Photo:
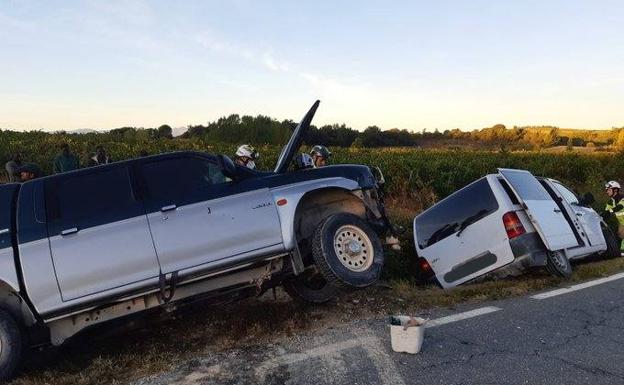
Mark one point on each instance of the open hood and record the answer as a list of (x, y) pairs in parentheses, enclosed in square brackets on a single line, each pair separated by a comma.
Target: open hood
[(291, 148)]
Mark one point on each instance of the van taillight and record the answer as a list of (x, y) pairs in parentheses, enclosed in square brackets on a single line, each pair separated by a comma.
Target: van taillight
[(424, 265), (513, 226)]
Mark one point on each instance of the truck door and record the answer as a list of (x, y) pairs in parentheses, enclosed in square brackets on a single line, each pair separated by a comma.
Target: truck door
[(197, 217), (99, 235), (588, 218), (8, 272), (542, 210), (463, 237)]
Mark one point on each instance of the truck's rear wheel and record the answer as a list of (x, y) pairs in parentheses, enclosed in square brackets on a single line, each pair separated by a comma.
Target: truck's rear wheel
[(613, 246), (310, 287), (557, 264), (347, 251), (11, 346)]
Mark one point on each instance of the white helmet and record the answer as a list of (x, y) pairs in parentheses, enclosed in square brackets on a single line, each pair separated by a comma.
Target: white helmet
[(612, 184), (248, 151)]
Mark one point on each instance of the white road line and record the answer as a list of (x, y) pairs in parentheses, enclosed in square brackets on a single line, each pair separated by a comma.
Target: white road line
[(462, 316), (581, 286), (371, 344), (288, 359), (386, 369)]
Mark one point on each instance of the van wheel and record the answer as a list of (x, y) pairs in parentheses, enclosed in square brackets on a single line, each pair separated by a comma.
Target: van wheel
[(558, 264), (11, 346), (347, 251), (613, 246), (311, 287)]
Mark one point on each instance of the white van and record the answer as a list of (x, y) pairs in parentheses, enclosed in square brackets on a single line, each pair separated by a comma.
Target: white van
[(510, 219)]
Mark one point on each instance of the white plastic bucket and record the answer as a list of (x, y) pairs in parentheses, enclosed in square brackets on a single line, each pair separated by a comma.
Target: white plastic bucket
[(407, 339)]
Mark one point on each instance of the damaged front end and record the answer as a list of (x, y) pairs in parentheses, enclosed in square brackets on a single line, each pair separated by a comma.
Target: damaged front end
[(373, 197)]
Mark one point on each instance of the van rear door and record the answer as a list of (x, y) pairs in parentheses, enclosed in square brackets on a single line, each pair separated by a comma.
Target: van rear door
[(542, 210), (463, 237)]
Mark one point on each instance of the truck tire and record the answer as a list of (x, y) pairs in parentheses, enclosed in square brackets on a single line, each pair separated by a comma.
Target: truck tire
[(613, 246), (347, 251), (11, 346), (312, 288), (557, 264)]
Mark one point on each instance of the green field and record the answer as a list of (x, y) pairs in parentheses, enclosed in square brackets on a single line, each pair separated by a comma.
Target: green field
[(430, 173)]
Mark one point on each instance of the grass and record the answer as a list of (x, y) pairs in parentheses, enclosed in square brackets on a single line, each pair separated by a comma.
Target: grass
[(160, 345)]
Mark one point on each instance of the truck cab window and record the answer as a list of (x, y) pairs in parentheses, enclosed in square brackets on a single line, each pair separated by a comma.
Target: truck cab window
[(180, 181), (87, 200)]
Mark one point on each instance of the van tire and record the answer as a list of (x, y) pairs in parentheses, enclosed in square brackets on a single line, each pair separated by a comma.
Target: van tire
[(613, 246), (12, 345), (347, 251), (311, 288), (557, 264)]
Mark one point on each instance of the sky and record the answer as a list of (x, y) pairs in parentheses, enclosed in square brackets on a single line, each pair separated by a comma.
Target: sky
[(400, 64)]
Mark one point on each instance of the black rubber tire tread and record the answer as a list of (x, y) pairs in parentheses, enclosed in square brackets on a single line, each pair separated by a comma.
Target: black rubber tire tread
[(613, 246), (298, 290), (327, 261), (12, 346), (554, 269)]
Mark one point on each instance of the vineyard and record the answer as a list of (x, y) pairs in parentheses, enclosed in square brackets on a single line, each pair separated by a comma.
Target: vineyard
[(423, 174)]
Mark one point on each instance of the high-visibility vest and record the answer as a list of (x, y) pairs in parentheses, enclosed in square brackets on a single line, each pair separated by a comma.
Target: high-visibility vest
[(619, 215)]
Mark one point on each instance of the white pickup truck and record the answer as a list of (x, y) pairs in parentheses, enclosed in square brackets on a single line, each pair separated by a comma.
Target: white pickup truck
[(92, 245)]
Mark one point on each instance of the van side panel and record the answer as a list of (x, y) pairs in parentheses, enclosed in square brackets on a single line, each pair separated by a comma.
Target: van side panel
[(34, 249)]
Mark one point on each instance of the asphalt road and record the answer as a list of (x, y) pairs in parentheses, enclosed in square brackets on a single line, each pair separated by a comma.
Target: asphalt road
[(573, 338)]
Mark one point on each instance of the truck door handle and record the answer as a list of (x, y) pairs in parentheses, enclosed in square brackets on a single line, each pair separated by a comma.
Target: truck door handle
[(557, 210), (73, 230), (579, 214), (168, 208)]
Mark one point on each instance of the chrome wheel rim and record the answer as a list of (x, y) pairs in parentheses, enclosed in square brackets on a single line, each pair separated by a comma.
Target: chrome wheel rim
[(353, 248)]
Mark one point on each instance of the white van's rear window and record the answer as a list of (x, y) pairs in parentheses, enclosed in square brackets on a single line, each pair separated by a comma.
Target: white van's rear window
[(458, 210), (526, 185)]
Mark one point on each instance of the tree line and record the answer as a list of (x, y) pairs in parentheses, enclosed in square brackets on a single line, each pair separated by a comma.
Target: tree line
[(266, 130), (261, 129)]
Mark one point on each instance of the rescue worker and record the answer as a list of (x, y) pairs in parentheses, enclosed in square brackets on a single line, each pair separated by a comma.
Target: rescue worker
[(100, 157), (12, 167), (29, 171), (303, 161), (615, 206), (246, 156), (65, 160), (320, 155)]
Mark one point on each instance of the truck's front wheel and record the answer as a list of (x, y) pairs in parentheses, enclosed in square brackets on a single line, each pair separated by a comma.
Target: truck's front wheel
[(11, 345), (347, 251)]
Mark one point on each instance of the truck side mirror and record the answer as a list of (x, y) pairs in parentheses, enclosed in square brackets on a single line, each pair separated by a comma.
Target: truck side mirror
[(227, 166)]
